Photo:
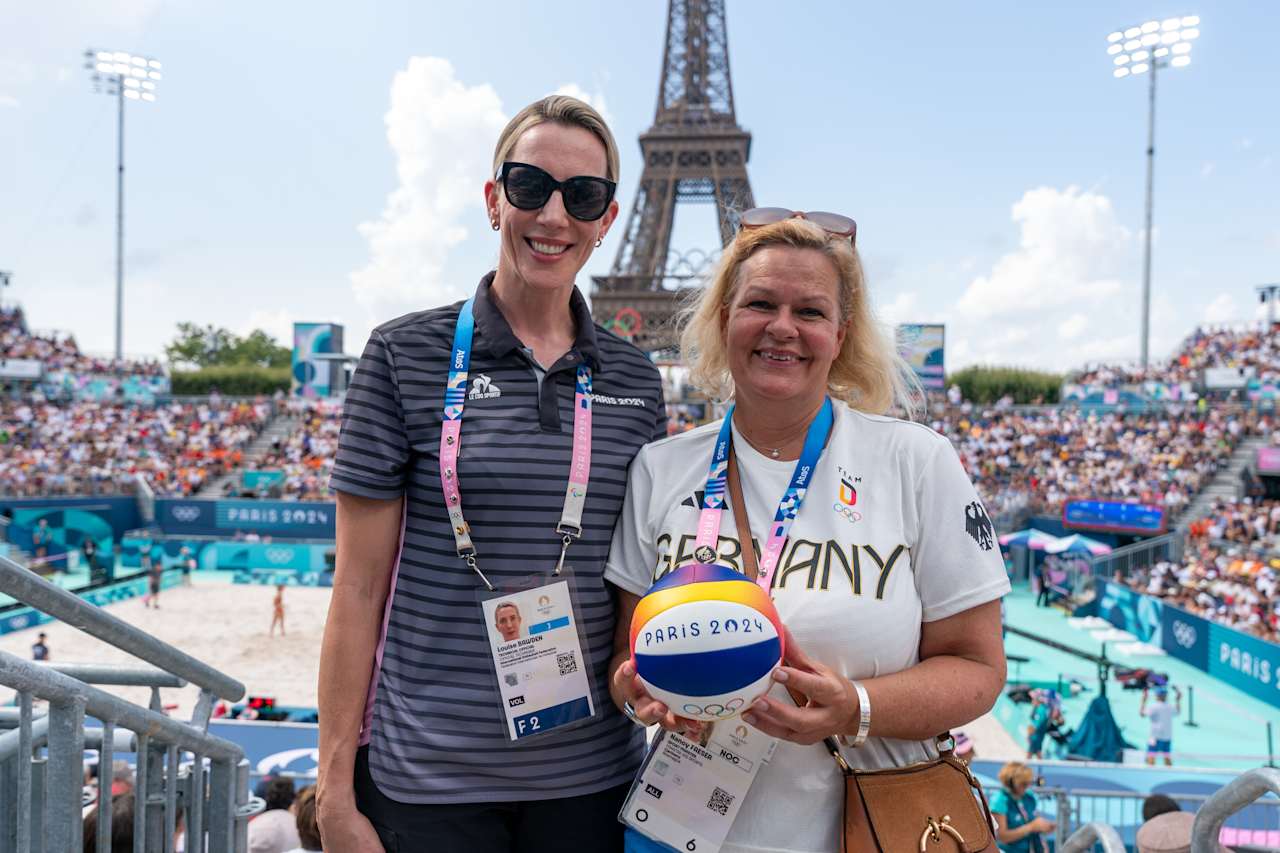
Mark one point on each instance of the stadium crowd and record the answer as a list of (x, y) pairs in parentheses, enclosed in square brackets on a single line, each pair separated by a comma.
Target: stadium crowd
[(1036, 460), (98, 448), (1232, 586), (305, 455), (59, 351), (1256, 348)]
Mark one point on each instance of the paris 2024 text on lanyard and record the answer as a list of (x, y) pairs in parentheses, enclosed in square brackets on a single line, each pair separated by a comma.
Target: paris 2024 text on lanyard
[(714, 773), (535, 646)]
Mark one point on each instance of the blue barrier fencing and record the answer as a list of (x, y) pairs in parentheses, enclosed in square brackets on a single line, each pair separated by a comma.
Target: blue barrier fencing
[(290, 563), (29, 617), (1243, 661), (118, 512)]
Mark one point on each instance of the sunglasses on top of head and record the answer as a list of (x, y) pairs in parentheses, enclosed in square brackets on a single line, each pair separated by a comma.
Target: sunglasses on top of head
[(586, 198), (833, 223)]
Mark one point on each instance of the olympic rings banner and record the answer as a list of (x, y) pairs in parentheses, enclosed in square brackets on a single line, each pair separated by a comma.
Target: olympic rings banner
[(1241, 660), (289, 519)]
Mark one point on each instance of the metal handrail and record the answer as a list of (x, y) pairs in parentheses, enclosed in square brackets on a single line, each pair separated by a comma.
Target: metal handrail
[(35, 591), (1083, 839), (118, 674), (1231, 798), (29, 677)]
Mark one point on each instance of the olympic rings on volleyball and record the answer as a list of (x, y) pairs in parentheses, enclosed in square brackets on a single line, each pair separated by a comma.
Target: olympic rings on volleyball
[(715, 709)]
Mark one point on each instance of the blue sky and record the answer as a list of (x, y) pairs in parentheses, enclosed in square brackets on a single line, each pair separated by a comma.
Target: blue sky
[(324, 163)]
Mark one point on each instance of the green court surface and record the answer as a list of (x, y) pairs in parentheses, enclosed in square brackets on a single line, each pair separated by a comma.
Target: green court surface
[(1230, 726)]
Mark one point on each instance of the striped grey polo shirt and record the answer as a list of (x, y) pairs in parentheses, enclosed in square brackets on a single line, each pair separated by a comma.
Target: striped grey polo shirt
[(436, 731)]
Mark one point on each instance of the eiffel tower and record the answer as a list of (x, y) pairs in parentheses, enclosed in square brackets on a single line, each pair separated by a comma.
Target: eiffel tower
[(695, 153)]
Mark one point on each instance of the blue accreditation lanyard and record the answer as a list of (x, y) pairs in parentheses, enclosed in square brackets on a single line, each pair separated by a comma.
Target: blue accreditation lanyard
[(788, 507)]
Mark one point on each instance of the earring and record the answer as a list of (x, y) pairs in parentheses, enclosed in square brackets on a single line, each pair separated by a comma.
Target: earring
[(599, 240), (494, 224)]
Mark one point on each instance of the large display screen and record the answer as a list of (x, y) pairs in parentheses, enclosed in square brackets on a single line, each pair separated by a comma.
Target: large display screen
[(1269, 460), (1115, 517), (923, 346)]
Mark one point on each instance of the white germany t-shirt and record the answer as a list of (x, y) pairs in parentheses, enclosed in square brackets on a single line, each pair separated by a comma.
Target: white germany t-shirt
[(891, 534)]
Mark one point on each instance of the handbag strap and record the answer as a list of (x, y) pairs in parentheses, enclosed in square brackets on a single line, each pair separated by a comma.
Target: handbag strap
[(751, 568), (750, 565)]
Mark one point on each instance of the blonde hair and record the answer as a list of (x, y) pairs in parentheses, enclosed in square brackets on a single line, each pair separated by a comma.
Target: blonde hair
[(867, 373), (560, 109), (1016, 773)]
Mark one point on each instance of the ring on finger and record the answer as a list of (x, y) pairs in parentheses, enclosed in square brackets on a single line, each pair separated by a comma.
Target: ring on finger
[(630, 711)]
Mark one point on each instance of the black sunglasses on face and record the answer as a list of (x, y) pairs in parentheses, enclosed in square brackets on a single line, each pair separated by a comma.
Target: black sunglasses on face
[(529, 188)]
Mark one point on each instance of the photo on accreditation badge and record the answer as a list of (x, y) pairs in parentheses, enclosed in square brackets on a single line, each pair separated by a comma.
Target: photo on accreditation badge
[(537, 657)]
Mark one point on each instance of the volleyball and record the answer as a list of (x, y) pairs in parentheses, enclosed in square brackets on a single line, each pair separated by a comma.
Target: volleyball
[(704, 640)]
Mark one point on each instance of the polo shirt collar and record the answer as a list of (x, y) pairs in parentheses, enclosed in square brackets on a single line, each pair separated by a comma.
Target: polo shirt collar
[(497, 338)]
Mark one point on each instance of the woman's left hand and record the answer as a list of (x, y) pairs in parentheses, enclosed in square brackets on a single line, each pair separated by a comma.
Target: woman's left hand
[(832, 707)]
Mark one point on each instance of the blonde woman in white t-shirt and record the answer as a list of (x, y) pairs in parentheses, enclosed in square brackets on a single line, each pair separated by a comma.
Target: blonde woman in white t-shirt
[(889, 577)]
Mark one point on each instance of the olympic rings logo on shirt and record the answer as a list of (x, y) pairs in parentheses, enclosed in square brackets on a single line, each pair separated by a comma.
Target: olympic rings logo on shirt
[(850, 514), (715, 709), (1184, 634)]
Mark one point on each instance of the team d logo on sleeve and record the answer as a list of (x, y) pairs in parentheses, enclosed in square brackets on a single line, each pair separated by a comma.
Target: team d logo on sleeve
[(978, 525)]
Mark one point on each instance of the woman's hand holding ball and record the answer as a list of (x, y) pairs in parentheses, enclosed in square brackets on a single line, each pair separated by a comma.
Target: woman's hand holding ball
[(831, 709), (626, 688)]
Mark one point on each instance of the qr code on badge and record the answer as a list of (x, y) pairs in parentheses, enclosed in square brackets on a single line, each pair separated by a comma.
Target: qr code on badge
[(720, 801), (568, 663)]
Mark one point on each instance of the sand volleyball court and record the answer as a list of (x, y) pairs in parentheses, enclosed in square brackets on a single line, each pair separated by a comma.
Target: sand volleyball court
[(222, 624)]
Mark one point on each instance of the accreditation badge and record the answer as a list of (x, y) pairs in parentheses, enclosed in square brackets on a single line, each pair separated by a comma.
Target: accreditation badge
[(688, 792), (538, 657)]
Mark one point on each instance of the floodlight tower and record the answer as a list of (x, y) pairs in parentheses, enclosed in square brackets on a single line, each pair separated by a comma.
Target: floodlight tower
[(1144, 49), (124, 75)]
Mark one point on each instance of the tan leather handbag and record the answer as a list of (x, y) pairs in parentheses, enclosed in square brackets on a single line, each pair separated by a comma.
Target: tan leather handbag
[(933, 807)]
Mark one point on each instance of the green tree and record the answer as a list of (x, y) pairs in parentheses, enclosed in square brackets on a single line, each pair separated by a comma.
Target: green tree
[(200, 346), (210, 346), (258, 348), (987, 384)]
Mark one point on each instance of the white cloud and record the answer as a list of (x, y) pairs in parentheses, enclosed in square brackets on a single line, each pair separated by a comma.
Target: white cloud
[(596, 100), (1070, 250), (1223, 309), (440, 130), (277, 324), (1072, 326), (1062, 297), (8, 101), (900, 310)]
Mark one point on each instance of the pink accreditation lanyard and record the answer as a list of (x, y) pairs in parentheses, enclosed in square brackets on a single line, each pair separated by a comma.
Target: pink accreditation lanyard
[(455, 397), (704, 549)]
